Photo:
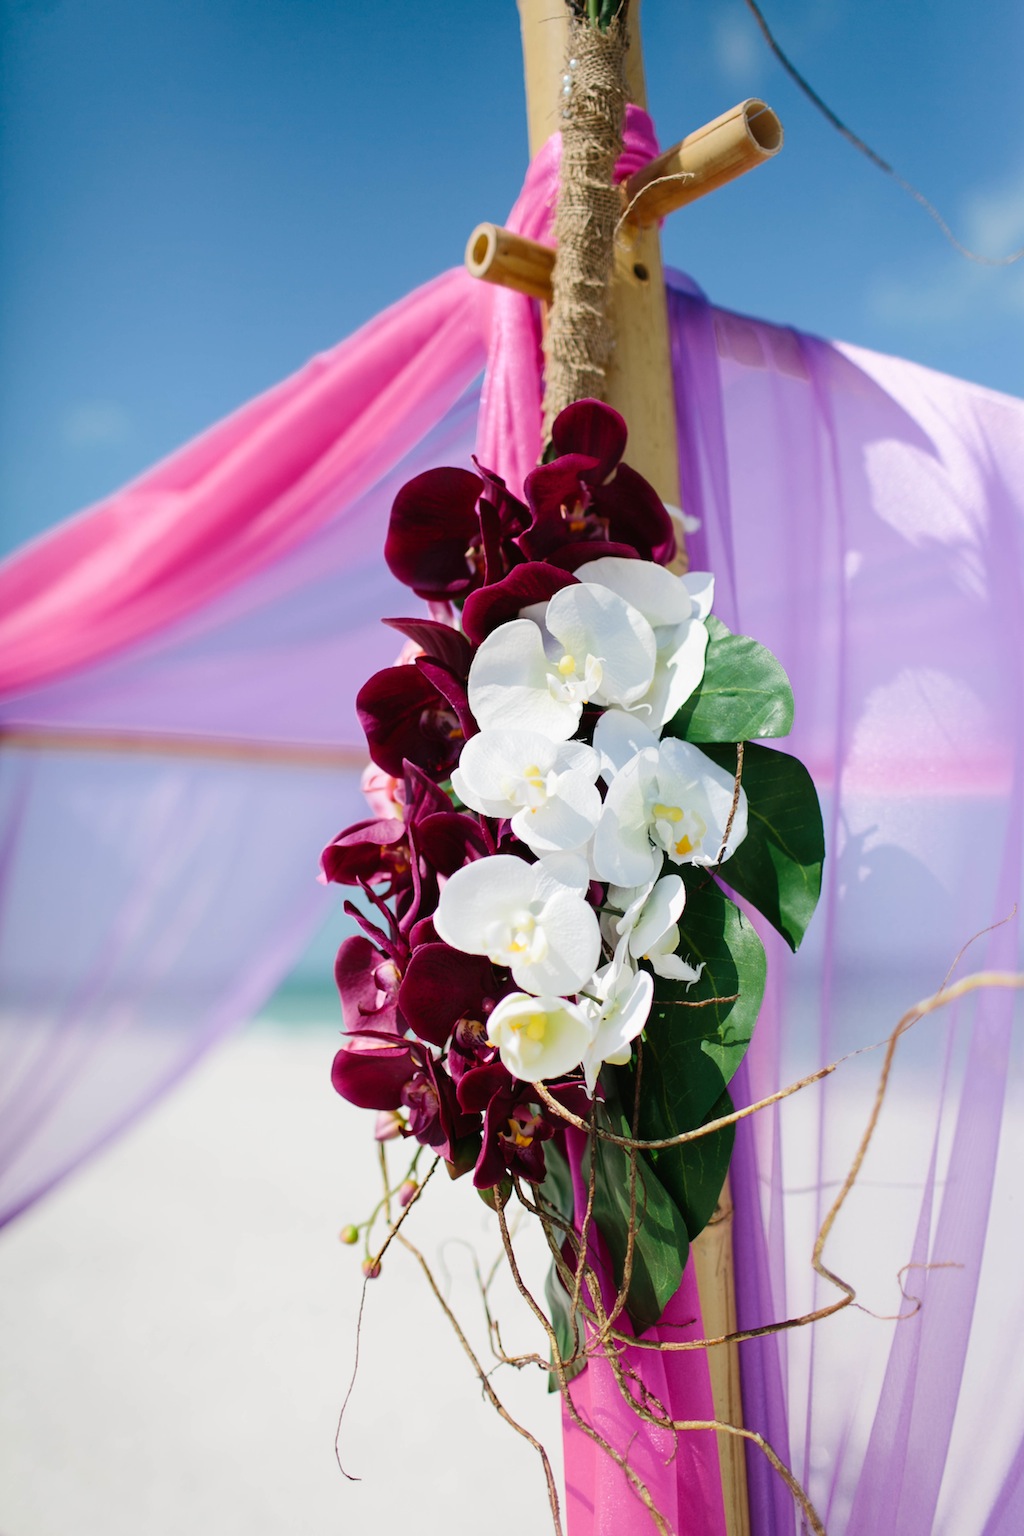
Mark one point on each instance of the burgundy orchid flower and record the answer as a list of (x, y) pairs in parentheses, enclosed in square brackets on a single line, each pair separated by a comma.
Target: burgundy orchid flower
[(406, 717), (443, 988), (586, 503), (368, 983), (512, 1133), (434, 543), (370, 852), (371, 1071)]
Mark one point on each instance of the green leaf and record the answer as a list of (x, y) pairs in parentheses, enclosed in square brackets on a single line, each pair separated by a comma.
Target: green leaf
[(694, 1173), (777, 867), (660, 1246), (557, 1191), (568, 1331), (744, 693), (691, 1053)]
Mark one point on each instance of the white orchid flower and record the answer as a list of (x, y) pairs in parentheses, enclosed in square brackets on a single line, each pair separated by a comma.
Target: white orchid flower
[(640, 916), (675, 607), (539, 1037), (512, 684), (532, 918), (617, 1006), (546, 788), (670, 800)]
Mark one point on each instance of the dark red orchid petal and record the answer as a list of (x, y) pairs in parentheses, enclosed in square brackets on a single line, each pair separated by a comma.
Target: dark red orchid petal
[(453, 690), (555, 490), (423, 932), (368, 982), (422, 796), (369, 851), (433, 525), (442, 985), (636, 515), (404, 716), (593, 428), (513, 516), (479, 1086), (439, 641), (449, 840), (487, 607), (372, 1073), (435, 1118), (569, 557)]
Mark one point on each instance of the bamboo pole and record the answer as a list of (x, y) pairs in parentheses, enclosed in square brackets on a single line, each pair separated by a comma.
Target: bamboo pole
[(640, 386)]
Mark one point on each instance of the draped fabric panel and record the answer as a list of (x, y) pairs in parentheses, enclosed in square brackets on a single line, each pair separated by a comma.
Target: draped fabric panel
[(180, 666)]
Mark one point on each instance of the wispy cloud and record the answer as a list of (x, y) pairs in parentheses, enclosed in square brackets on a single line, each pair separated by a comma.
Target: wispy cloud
[(736, 47), (96, 424), (948, 294)]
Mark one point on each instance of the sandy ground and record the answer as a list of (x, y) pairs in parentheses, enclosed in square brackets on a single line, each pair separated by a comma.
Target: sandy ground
[(177, 1326)]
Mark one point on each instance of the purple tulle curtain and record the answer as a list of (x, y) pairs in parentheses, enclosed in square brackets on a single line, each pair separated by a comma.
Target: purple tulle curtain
[(175, 753)]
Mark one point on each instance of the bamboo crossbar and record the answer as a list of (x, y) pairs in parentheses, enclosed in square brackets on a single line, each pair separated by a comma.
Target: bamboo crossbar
[(270, 754), (496, 255), (737, 142), (733, 144)]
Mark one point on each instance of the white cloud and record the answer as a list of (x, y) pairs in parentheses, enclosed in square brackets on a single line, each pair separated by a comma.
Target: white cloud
[(96, 424), (736, 47), (952, 289)]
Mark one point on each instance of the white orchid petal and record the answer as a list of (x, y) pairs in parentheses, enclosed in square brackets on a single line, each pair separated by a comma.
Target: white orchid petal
[(618, 737), (509, 685), (573, 939), (593, 622), (622, 847), (565, 822), (679, 672), (660, 913), (701, 587), (478, 896), (660, 596)]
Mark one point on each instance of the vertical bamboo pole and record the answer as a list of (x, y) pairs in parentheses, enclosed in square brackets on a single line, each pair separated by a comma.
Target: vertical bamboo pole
[(640, 386)]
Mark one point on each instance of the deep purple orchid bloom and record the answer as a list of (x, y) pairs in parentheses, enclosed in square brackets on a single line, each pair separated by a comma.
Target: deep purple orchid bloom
[(512, 1132), (371, 1071), (433, 542), (406, 717), (370, 852), (443, 987), (368, 984), (587, 497)]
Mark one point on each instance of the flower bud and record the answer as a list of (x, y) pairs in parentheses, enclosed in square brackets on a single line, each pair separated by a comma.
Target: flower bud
[(349, 1234), (408, 1192), (390, 1124), (371, 1268)]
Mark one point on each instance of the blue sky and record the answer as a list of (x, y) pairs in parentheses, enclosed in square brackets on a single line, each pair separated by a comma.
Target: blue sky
[(195, 195)]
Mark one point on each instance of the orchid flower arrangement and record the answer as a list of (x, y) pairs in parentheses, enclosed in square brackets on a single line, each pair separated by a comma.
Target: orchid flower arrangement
[(564, 778)]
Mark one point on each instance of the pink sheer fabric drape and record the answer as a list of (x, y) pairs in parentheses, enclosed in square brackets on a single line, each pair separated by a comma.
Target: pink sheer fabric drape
[(863, 517)]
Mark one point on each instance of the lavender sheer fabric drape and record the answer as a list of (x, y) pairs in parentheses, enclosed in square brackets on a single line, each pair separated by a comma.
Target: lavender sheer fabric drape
[(864, 518)]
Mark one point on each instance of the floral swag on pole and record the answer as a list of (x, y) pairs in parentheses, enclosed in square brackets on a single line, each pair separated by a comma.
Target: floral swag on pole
[(565, 783)]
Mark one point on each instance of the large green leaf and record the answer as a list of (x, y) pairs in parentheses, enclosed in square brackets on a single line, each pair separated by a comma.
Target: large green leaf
[(691, 1052), (557, 1191), (777, 867), (744, 693), (694, 1173), (660, 1246)]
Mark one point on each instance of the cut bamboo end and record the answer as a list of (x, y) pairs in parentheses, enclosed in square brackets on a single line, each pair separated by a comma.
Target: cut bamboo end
[(496, 255), (734, 143)]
